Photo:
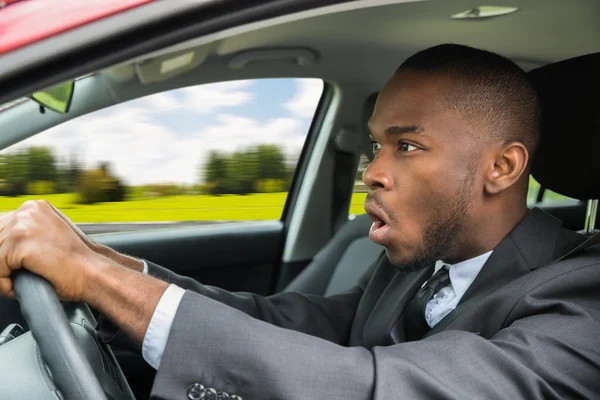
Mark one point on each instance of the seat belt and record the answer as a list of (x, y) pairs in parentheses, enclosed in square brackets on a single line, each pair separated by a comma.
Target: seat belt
[(589, 242)]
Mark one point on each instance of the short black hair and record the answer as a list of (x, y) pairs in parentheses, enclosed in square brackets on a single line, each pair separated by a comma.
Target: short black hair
[(491, 91)]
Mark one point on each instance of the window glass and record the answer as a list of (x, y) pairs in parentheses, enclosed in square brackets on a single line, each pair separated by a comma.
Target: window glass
[(548, 196), (357, 204), (209, 153)]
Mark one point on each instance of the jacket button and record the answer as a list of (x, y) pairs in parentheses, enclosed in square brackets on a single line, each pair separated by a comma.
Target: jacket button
[(235, 397), (196, 392), (223, 396)]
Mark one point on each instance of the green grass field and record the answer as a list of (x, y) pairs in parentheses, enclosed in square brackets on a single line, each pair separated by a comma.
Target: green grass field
[(176, 208), (184, 208)]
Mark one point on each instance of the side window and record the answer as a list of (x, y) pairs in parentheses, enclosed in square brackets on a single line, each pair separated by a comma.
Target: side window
[(360, 189), (210, 153), (539, 195)]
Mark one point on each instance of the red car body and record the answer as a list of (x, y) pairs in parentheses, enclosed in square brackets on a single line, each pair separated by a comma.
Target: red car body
[(23, 22)]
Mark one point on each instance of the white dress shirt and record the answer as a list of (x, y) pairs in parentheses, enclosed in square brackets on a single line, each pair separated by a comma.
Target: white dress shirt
[(461, 277), (159, 327)]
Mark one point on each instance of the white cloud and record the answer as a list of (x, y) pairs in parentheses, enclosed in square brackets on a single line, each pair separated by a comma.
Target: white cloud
[(141, 149), (203, 98), (208, 98), (306, 99)]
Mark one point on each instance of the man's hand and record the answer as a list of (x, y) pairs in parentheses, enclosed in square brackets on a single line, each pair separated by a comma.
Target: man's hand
[(35, 237), (39, 238), (122, 259)]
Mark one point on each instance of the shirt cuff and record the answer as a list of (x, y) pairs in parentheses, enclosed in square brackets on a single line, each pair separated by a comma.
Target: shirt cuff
[(145, 270), (155, 339)]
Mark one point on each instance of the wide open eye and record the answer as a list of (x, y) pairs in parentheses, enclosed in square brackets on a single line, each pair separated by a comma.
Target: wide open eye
[(376, 146), (406, 147)]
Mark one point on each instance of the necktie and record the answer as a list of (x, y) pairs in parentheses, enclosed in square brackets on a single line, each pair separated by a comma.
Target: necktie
[(415, 325)]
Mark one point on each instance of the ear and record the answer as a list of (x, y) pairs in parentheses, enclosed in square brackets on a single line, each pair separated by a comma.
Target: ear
[(509, 163)]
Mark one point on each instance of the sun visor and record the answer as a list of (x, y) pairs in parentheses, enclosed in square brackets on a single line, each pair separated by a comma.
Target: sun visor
[(166, 66)]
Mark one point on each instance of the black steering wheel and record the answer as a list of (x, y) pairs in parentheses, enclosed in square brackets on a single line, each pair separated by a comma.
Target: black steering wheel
[(71, 370)]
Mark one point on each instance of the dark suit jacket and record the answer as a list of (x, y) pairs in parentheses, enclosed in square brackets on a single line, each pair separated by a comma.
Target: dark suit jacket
[(527, 328)]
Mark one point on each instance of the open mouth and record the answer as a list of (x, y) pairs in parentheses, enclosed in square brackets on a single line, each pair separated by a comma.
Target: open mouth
[(377, 223), (379, 232)]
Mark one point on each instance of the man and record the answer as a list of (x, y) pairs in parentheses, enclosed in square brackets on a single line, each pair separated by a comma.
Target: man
[(453, 134)]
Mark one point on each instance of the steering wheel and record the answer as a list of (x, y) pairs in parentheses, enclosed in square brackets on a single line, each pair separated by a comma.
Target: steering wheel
[(71, 370)]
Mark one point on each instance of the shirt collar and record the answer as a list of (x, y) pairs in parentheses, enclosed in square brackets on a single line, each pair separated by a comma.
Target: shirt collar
[(463, 274)]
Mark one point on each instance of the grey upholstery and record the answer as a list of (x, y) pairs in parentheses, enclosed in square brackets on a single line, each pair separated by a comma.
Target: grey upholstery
[(337, 267)]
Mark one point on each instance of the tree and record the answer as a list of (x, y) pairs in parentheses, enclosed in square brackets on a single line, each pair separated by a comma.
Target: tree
[(67, 174), (13, 173), (99, 185), (215, 172), (242, 172), (255, 169), (271, 162), (19, 170), (74, 171), (41, 164)]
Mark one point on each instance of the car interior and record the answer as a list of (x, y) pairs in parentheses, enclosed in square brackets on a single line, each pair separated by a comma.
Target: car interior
[(317, 247)]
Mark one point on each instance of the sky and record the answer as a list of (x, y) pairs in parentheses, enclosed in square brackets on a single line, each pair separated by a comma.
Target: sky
[(165, 137)]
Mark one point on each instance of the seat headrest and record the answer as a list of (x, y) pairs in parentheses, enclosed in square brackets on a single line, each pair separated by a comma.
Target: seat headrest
[(567, 159)]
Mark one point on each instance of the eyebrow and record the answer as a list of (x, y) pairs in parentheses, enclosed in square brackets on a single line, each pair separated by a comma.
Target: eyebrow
[(400, 130)]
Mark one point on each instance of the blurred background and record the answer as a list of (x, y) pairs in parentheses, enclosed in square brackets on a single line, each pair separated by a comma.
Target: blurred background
[(206, 154)]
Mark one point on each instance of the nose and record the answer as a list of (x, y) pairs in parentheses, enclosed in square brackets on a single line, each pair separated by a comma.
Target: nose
[(377, 176)]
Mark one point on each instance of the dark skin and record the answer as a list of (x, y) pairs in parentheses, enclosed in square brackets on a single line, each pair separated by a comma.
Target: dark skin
[(421, 175), (438, 183)]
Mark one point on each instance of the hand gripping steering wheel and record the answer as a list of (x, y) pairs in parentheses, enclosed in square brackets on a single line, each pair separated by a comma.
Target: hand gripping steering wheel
[(71, 370)]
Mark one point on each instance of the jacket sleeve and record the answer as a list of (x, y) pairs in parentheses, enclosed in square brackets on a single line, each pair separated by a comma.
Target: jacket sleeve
[(329, 318), (548, 350)]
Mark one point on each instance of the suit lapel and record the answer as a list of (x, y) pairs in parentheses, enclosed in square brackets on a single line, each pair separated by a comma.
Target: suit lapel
[(390, 307), (504, 265), (528, 246)]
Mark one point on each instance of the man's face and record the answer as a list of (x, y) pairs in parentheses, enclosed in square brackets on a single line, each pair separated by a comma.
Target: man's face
[(422, 180)]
